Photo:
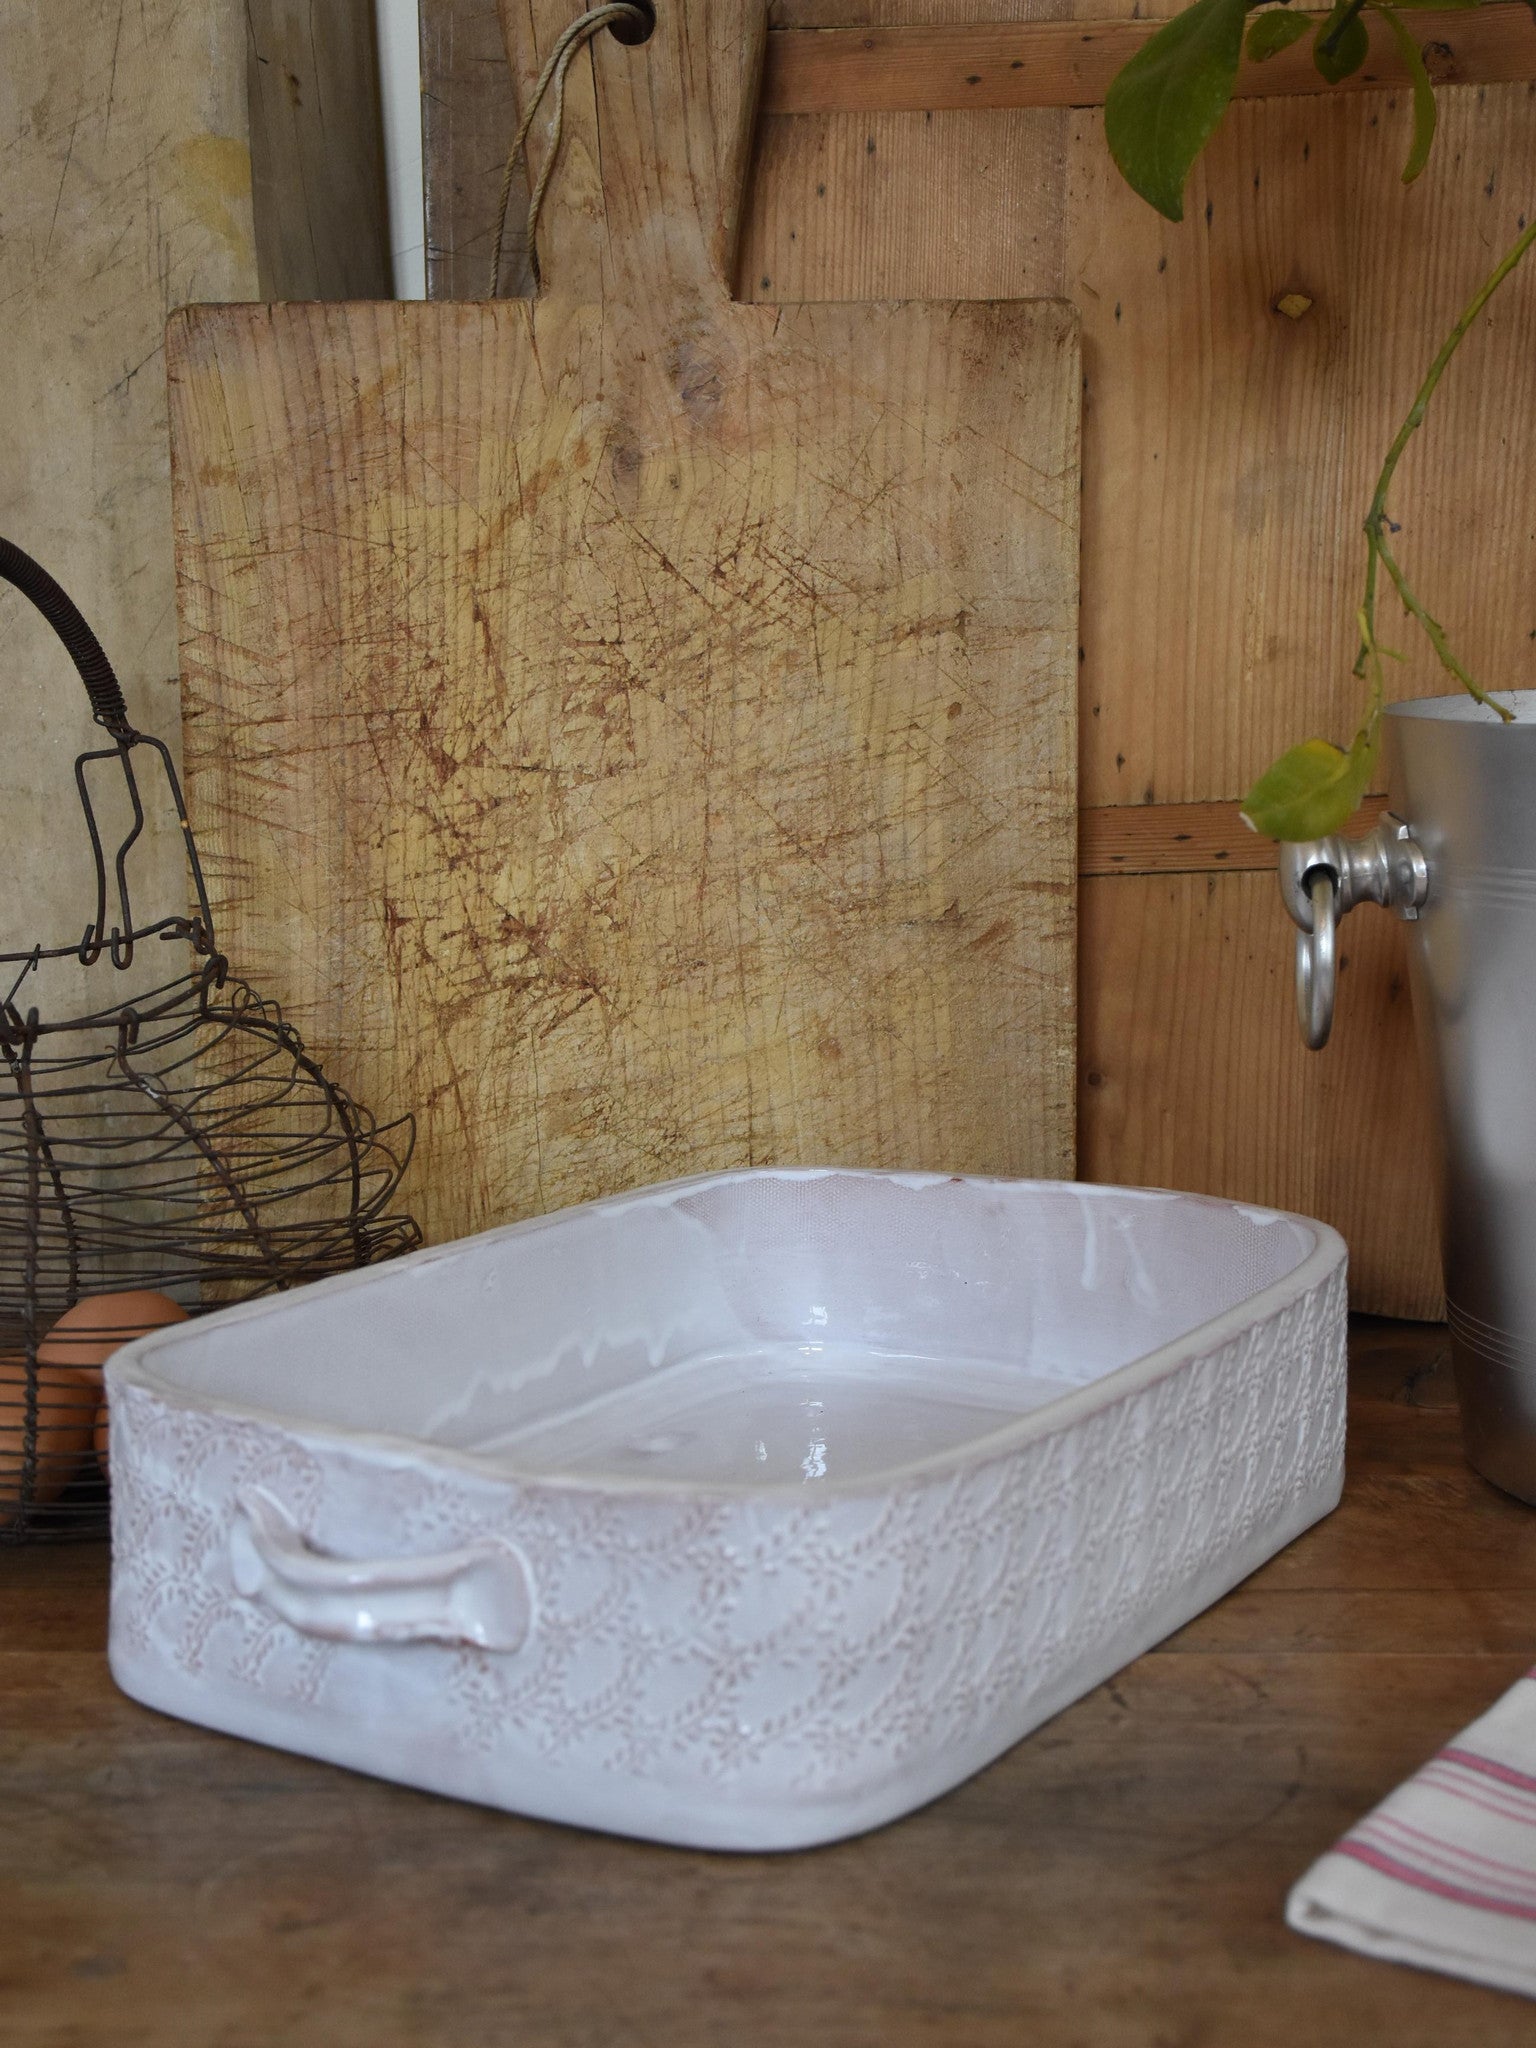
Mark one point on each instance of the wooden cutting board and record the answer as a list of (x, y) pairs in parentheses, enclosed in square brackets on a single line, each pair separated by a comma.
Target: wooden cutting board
[(631, 729)]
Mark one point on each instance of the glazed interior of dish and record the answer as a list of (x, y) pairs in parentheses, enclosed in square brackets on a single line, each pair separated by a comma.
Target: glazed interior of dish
[(754, 1329)]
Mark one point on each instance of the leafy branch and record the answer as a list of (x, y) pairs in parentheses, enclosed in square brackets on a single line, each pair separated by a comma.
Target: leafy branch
[(1313, 788), (1160, 112), (1164, 106)]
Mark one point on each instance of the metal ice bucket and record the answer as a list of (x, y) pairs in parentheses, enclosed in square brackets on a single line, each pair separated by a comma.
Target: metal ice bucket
[(1456, 855)]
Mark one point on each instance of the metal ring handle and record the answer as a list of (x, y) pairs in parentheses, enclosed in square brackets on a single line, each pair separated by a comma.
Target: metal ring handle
[(1321, 880), (1317, 959)]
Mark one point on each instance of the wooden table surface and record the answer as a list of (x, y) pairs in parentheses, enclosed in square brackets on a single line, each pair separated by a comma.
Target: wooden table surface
[(1117, 1879)]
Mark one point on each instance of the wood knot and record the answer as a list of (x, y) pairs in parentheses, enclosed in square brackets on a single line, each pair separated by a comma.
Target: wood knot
[(699, 383)]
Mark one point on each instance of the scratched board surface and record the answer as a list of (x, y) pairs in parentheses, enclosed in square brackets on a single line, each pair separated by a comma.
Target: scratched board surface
[(635, 731)]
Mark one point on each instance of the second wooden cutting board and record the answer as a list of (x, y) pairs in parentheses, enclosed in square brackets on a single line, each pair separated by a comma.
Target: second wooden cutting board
[(634, 730)]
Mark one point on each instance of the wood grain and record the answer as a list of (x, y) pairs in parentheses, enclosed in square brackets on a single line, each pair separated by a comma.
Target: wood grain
[(1115, 1880), (1228, 446), (637, 731), (884, 206), (1184, 839), (468, 120), (1193, 1074), (1229, 449), (802, 14), (317, 150), (992, 64)]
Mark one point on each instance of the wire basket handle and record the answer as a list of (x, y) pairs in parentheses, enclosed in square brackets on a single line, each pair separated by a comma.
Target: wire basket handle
[(108, 706)]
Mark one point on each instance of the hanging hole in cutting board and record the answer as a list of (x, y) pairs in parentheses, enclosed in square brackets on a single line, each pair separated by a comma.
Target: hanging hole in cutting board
[(633, 32), (633, 21)]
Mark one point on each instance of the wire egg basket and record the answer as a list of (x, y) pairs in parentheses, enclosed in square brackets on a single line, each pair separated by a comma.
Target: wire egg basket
[(177, 1145)]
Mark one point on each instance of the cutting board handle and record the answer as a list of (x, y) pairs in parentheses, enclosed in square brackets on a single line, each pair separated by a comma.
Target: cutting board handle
[(645, 201)]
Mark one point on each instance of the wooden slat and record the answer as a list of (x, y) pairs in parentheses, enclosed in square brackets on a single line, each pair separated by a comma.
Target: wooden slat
[(992, 64), (467, 122), (1182, 839), (957, 14), (1168, 839), (865, 14), (317, 150), (891, 206)]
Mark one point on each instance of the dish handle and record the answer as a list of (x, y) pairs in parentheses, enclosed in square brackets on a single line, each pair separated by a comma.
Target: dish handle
[(481, 1595)]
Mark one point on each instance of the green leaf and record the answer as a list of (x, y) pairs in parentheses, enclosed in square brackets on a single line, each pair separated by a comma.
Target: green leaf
[(1343, 44), (1312, 790), (1163, 107), (1424, 110), (1275, 30)]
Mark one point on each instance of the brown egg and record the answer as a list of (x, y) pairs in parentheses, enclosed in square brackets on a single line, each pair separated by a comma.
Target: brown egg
[(66, 1414), (85, 1337)]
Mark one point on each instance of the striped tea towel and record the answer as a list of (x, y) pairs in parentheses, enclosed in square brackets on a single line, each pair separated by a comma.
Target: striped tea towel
[(1443, 1873)]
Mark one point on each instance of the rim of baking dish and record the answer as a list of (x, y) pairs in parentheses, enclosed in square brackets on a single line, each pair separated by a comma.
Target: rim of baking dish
[(133, 1364)]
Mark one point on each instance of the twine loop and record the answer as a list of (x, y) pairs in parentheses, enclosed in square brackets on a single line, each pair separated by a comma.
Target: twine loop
[(571, 39)]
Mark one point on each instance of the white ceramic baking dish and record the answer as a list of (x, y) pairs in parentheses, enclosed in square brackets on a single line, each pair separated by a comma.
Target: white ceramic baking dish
[(746, 1512)]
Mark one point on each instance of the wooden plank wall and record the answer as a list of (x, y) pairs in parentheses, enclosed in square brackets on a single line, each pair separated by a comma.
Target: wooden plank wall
[(1230, 444), (177, 150)]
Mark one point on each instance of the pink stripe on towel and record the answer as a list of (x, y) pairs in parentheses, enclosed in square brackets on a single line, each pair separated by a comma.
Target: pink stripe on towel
[(1387, 1820), (1406, 1873), (1453, 1788), (1450, 1865), (1471, 1761)]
